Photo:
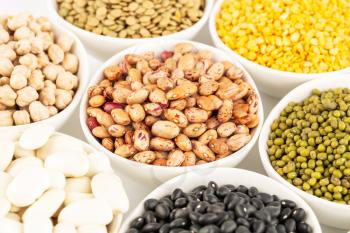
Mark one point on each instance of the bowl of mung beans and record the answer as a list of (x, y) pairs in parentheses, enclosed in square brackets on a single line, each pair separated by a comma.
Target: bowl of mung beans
[(222, 200), (284, 43), (108, 26), (304, 144), (176, 123)]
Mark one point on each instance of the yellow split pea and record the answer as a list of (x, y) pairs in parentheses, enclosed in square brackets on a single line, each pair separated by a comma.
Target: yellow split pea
[(303, 36)]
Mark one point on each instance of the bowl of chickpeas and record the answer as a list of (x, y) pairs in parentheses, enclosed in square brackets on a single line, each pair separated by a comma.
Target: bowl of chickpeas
[(163, 109), (43, 72), (283, 44), (107, 27)]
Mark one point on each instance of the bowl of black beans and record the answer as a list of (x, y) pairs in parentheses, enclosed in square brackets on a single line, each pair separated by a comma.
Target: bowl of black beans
[(222, 200)]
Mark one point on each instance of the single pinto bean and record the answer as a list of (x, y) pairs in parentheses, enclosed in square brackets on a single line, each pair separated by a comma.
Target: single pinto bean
[(162, 144), (196, 115), (183, 142), (165, 129), (141, 139), (194, 130), (175, 158), (202, 151)]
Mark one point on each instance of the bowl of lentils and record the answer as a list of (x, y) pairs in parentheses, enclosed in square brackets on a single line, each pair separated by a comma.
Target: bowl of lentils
[(163, 109), (222, 200), (285, 43), (108, 26), (304, 144)]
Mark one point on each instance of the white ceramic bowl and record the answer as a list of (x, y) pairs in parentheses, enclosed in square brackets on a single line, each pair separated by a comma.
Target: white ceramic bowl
[(83, 74), (273, 82), (157, 173), (106, 46), (223, 176), (329, 213)]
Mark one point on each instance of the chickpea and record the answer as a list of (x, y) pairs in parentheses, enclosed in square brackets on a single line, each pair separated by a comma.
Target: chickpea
[(52, 110), (63, 98), (4, 36), (23, 47), (37, 45), (47, 39), (6, 66), (66, 81), (21, 117), (7, 52), (7, 95), (65, 42), (23, 33), (21, 69), (29, 60), (43, 60), (51, 71), (70, 63), (36, 80), (56, 54), (44, 23), (18, 81), (38, 111), (48, 96), (6, 118), (26, 96), (4, 80), (17, 21)]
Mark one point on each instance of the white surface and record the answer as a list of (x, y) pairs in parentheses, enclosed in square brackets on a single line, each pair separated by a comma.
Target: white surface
[(328, 212), (188, 181), (159, 173), (274, 82), (136, 190)]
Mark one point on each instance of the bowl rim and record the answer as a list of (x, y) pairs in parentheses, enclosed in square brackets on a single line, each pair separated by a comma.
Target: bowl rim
[(274, 113), (83, 80), (260, 68), (155, 193), (117, 57), (52, 6)]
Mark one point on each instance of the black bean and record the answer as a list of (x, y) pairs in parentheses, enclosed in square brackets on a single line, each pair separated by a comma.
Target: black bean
[(252, 191), (212, 185), (275, 198), (132, 230), (275, 203), (151, 227), (180, 202), (192, 205), (216, 208), (234, 202), (149, 217), (243, 222), (191, 197), (167, 201), (273, 210), (303, 227), (242, 189), (150, 204), (290, 225), (223, 216), (274, 222), (176, 230), (199, 194), (263, 215), (177, 193), (288, 203), (285, 213), (209, 229), (162, 211), (298, 214), (228, 226), (208, 218), (194, 216), (265, 197), (181, 213), (259, 204), (194, 228), (137, 223), (281, 229), (271, 229), (242, 229), (165, 228), (250, 209), (231, 187), (199, 188), (178, 223), (211, 198), (258, 226), (243, 195), (201, 207), (240, 211), (222, 191)]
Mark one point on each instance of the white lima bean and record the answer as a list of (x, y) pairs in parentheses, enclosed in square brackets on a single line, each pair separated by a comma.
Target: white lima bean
[(69, 188)]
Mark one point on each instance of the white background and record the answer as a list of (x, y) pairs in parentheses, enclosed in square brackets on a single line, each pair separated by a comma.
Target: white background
[(136, 190)]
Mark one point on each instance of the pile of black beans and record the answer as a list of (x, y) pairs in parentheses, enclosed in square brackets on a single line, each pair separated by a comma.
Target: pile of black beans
[(224, 209)]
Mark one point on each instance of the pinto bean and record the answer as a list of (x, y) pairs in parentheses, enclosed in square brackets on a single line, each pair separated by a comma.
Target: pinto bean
[(145, 157), (176, 116), (209, 103), (225, 111), (226, 129), (207, 136), (208, 88), (137, 97), (183, 142), (175, 158), (158, 96), (150, 120), (125, 150), (237, 141), (190, 159), (219, 146), (178, 104), (165, 129), (136, 112), (196, 115), (194, 130), (240, 110), (116, 130), (120, 94), (153, 109), (141, 140), (160, 162), (242, 129), (182, 91), (162, 144), (227, 90), (202, 151), (216, 70), (120, 116), (212, 123)]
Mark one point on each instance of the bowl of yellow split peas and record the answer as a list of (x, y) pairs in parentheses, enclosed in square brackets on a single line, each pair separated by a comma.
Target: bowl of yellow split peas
[(284, 43)]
